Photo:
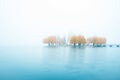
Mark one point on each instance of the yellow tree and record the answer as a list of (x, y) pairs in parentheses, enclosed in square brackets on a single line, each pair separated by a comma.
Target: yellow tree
[(100, 40), (50, 40), (46, 41), (80, 40), (96, 40), (73, 40), (83, 40)]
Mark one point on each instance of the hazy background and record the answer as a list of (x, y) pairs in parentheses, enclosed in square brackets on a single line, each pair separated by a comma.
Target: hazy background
[(26, 22)]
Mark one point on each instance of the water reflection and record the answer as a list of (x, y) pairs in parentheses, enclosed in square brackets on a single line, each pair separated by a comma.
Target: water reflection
[(61, 63)]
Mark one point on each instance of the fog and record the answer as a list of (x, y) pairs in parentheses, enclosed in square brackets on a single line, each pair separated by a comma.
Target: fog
[(27, 22)]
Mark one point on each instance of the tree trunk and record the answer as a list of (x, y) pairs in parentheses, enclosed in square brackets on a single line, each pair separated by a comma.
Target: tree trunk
[(93, 45), (74, 44), (79, 44)]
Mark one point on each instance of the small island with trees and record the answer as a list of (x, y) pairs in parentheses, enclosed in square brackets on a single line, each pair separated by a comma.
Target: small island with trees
[(76, 41)]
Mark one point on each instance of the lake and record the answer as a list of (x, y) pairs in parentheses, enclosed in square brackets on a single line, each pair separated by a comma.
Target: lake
[(59, 63)]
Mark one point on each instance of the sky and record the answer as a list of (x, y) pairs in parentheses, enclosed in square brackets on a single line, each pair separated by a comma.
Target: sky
[(27, 22)]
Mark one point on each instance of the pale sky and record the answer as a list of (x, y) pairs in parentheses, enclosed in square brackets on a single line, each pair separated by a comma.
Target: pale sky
[(26, 22)]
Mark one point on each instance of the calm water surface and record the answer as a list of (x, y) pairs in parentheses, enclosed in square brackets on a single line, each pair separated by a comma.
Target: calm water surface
[(63, 63)]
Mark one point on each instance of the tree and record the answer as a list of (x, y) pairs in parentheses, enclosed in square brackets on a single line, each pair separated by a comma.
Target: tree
[(73, 40), (50, 40), (96, 40), (83, 40), (45, 41), (80, 40)]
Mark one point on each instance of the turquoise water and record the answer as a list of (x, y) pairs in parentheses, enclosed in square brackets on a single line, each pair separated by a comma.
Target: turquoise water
[(59, 63)]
